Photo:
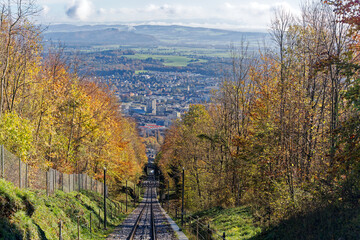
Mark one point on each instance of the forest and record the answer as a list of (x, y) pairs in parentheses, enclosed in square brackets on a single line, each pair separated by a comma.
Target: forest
[(282, 133), (51, 116)]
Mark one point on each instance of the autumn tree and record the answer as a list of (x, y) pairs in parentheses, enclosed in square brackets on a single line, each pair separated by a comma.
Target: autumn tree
[(52, 116), (277, 124)]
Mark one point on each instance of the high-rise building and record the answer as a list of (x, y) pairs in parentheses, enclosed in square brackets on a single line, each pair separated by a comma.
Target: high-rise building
[(151, 106)]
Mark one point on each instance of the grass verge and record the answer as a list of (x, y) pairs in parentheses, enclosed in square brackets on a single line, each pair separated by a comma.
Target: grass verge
[(237, 223), (26, 214), (336, 221)]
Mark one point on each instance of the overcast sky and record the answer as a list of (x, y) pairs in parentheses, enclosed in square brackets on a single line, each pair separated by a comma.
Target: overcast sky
[(233, 14)]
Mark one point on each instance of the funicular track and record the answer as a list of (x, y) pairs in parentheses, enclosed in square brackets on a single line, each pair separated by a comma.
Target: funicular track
[(144, 227), (147, 222)]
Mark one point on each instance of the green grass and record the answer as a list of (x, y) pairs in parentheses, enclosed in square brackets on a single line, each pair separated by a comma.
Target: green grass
[(237, 223), (137, 72), (189, 52), (169, 60), (32, 215), (186, 53), (336, 221)]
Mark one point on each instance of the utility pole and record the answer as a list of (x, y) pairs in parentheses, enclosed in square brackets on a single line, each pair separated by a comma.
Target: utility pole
[(182, 202), (126, 196), (105, 198), (134, 193)]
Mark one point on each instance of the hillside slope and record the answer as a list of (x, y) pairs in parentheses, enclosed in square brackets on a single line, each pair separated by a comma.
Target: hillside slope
[(331, 222), (32, 215)]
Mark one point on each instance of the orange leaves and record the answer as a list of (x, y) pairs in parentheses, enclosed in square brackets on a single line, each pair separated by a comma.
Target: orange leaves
[(76, 125)]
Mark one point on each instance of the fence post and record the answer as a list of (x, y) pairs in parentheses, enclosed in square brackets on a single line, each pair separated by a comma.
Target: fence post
[(90, 225), (134, 193), (99, 218), (20, 185), (69, 182), (224, 236), (208, 230), (60, 230), (78, 182), (197, 228), (91, 184), (168, 197), (47, 184), (78, 227), (182, 202), (2, 156), (62, 181), (54, 179), (26, 176), (111, 209), (104, 198)]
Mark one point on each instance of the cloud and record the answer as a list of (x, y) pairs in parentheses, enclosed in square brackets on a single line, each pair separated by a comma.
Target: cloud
[(228, 14), (80, 9), (253, 14), (151, 12), (45, 10)]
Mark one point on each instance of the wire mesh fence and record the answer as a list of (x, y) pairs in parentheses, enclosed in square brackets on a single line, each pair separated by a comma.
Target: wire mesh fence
[(25, 176)]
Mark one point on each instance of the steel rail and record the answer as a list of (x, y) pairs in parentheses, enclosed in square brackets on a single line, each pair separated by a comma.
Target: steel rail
[(152, 218), (153, 227), (133, 230)]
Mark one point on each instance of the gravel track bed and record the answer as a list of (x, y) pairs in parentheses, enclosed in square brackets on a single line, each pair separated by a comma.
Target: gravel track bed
[(163, 228)]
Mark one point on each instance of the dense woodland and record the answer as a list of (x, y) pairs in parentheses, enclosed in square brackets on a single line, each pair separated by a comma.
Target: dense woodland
[(53, 117), (282, 134)]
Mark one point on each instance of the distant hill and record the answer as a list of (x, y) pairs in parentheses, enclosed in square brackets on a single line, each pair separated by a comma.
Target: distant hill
[(198, 35), (148, 35), (107, 36)]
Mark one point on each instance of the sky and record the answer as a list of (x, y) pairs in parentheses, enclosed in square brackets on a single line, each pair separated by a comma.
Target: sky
[(226, 14)]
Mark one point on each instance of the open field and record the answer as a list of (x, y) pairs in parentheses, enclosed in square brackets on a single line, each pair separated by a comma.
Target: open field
[(176, 51), (169, 60), (185, 51), (141, 71)]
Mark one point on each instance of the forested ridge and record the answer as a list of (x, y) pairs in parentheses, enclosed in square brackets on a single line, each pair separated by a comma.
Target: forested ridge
[(51, 116), (282, 133)]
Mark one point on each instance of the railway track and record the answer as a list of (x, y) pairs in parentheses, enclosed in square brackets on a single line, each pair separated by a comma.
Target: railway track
[(147, 222), (144, 227)]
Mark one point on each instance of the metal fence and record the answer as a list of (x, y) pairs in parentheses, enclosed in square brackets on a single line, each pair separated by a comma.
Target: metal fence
[(25, 176)]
